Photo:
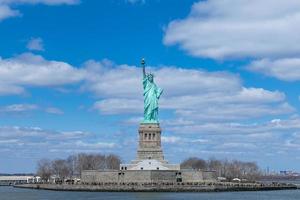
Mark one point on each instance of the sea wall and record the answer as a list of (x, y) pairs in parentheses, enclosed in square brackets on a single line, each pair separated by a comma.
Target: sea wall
[(95, 177), (120, 176), (161, 187)]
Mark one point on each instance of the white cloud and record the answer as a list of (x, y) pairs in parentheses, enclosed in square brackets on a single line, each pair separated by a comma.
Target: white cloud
[(189, 93), (234, 112), (264, 142), (40, 143), (65, 135), (98, 145), (19, 132), (10, 89), (178, 122), (232, 29), (25, 108), (266, 30), (35, 44), (33, 70), (106, 79), (237, 145), (12, 141), (135, 1), (171, 139), (117, 106), (254, 130), (133, 120), (53, 110), (17, 108), (47, 2), (6, 10), (286, 69)]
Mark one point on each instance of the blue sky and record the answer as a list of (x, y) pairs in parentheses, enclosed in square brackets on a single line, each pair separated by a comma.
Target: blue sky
[(70, 79)]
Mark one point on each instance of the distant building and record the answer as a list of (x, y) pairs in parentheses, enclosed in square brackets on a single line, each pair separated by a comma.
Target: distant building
[(14, 180), (288, 173)]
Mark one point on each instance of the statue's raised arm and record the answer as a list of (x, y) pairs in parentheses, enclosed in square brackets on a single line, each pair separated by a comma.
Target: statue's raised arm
[(151, 96), (143, 66)]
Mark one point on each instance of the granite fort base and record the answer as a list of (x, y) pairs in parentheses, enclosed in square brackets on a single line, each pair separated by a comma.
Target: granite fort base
[(146, 176), (149, 166)]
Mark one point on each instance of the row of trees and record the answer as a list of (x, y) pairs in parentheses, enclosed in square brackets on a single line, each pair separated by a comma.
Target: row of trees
[(225, 168), (74, 164)]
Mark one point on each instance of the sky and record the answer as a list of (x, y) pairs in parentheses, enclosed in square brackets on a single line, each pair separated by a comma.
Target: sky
[(70, 79)]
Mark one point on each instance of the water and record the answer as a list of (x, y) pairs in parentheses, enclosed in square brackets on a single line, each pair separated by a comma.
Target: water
[(10, 193)]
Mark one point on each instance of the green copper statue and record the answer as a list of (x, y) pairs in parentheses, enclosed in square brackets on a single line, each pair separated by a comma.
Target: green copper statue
[(151, 97)]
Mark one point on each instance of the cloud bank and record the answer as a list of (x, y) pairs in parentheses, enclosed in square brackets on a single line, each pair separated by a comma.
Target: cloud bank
[(6, 10), (286, 69), (35, 44), (189, 93), (230, 29), (28, 69), (264, 30)]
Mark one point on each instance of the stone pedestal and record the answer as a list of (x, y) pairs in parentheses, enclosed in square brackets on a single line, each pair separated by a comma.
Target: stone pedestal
[(149, 154), (150, 142)]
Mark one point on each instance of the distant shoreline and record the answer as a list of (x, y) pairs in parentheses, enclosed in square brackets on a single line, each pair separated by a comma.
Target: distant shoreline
[(280, 178), (161, 187)]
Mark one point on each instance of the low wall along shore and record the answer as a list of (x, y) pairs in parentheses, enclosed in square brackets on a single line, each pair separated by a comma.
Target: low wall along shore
[(161, 187), (139, 176)]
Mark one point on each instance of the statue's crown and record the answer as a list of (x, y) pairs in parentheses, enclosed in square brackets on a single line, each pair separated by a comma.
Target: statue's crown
[(150, 75)]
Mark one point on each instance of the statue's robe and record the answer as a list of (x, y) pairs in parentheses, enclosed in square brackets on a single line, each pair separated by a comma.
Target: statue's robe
[(151, 96)]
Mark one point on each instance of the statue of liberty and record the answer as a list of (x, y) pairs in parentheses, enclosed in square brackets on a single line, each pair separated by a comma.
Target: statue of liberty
[(151, 97)]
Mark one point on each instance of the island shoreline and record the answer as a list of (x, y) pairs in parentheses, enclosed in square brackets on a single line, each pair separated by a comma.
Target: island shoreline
[(158, 188)]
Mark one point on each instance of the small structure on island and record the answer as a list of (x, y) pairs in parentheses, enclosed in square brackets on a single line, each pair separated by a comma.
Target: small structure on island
[(150, 165), (22, 179)]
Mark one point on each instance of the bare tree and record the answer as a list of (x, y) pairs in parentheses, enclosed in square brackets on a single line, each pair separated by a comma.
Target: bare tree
[(215, 165), (96, 161), (71, 162), (112, 161), (89, 162), (61, 168), (44, 169), (75, 164), (194, 163), (225, 168), (251, 171)]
